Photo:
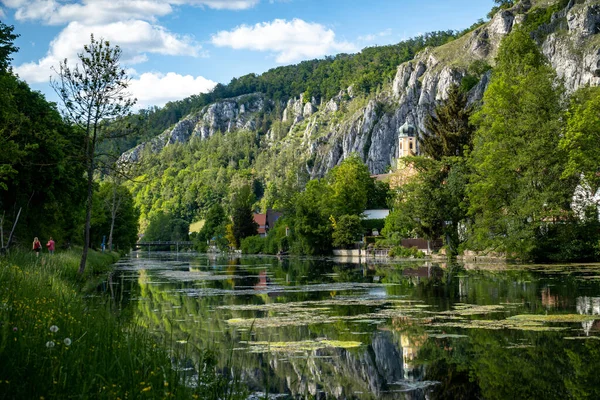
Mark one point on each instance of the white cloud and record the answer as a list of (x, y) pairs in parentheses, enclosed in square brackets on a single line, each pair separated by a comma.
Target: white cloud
[(57, 12), (158, 89), (220, 4), (289, 40), (373, 36), (136, 39)]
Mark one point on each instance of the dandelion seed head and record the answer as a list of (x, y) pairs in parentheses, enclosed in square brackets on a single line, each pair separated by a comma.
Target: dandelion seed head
[(50, 344), (67, 341), (54, 328)]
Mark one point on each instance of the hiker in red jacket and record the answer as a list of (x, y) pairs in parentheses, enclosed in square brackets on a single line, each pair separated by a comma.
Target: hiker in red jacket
[(50, 245), (37, 246)]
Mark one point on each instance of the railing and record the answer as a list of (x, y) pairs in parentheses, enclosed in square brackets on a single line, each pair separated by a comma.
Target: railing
[(177, 244)]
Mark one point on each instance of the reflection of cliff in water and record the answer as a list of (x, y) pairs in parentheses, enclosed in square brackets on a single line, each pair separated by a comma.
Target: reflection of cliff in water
[(380, 370)]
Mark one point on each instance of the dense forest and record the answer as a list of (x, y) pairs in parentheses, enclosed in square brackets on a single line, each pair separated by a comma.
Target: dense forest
[(42, 185)]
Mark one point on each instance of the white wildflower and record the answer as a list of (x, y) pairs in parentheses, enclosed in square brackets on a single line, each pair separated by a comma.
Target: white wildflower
[(50, 344), (54, 328)]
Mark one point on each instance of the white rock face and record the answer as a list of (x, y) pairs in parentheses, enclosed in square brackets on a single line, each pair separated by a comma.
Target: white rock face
[(223, 116), (574, 60)]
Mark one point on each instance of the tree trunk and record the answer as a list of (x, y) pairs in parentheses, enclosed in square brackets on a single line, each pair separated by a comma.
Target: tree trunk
[(113, 216), (90, 193)]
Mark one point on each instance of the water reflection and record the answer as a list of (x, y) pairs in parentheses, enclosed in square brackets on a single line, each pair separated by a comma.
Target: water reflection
[(404, 331)]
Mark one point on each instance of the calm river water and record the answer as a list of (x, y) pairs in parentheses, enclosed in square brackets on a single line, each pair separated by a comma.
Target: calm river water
[(413, 330)]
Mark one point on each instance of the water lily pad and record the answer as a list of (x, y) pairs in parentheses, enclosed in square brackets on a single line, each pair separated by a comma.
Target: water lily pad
[(555, 317), (302, 346)]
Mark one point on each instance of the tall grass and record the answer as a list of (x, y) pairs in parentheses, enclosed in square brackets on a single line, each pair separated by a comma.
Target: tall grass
[(57, 343)]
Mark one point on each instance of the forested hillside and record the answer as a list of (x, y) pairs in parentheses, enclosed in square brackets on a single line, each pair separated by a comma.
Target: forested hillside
[(276, 132)]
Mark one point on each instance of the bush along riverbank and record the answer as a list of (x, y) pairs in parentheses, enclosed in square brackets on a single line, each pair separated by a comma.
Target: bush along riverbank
[(56, 342)]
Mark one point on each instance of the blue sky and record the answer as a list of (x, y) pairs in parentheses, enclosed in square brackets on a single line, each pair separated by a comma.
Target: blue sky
[(175, 48)]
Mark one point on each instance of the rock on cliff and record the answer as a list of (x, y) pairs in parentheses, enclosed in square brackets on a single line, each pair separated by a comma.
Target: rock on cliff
[(223, 116)]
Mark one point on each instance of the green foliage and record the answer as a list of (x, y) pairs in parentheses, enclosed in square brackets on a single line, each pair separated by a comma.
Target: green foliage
[(214, 221), (581, 136), (432, 204), (7, 47), (40, 166), (448, 130), (125, 227), (405, 252), (569, 240), (253, 245), (242, 217), (502, 5), (542, 15), (186, 180), (166, 228), (310, 217), (93, 93), (372, 224), (378, 195), (350, 184), (474, 74), (516, 184), (347, 230)]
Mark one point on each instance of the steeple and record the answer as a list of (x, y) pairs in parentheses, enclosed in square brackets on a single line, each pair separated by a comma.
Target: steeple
[(407, 140)]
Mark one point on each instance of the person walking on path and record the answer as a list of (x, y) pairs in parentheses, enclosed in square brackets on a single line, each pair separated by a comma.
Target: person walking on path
[(37, 246), (50, 245)]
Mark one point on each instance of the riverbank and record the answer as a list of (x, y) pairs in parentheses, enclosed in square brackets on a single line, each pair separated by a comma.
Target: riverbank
[(58, 342)]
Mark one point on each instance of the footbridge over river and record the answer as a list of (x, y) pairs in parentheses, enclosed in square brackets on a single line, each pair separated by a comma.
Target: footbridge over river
[(178, 244)]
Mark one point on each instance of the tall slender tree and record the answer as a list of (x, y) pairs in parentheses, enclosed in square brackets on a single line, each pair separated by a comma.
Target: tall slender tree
[(93, 92), (516, 186), (448, 131)]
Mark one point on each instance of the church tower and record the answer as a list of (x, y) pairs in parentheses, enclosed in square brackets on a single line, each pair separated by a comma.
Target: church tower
[(407, 141)]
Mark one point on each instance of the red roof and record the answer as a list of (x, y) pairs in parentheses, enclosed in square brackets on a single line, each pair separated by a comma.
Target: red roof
[(261, 220)]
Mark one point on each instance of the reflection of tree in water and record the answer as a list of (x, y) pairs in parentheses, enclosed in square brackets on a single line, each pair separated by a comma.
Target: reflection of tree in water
[(396, 353)]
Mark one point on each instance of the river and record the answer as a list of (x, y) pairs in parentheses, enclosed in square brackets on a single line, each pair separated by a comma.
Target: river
[(317, 328)]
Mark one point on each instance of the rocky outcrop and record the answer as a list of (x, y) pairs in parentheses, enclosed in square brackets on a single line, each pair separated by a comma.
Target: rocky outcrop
[(223, 116), (572, 44)]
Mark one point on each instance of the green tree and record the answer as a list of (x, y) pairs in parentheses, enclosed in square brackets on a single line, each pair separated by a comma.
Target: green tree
[(93, 93), (346, 230), (311, 226), (515, 186), (213, 222), (114, 216), (242, 217), (7, 46), (350, 184), (582, 135), (448, 130), (40, 168), (165, 228)]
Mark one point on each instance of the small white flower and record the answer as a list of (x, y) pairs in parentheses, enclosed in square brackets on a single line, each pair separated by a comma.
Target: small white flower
[(67, 341), (50, 344), (54, 328)]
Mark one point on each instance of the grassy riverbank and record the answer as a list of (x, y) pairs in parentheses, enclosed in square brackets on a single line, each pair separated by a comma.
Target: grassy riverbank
[(58, 342)]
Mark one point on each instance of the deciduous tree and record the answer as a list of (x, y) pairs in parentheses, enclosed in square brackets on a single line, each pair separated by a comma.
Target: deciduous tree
[(93, 92)]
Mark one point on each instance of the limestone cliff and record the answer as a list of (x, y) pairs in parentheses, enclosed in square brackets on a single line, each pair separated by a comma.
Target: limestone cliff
[(330, 131)]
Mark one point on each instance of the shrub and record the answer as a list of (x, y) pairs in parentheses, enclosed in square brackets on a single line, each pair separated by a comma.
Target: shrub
[(403, 252), (253, 245)]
